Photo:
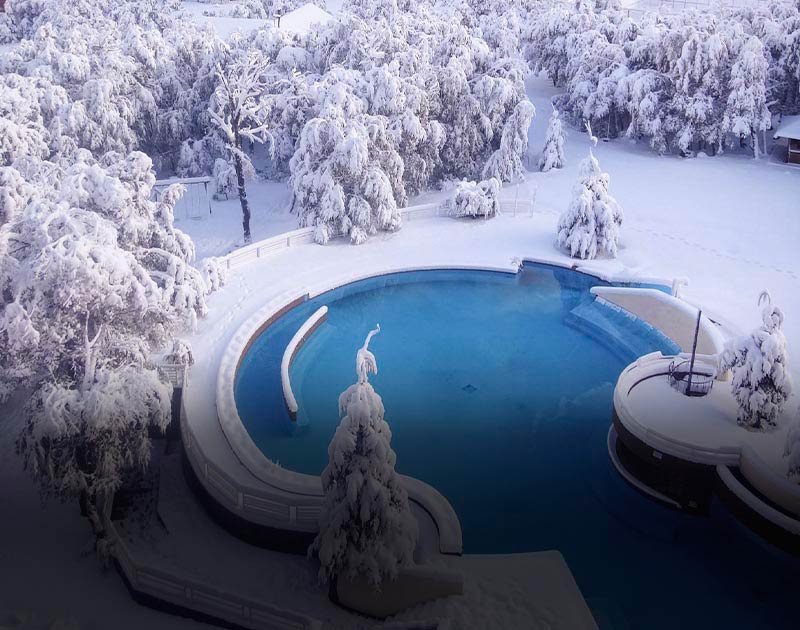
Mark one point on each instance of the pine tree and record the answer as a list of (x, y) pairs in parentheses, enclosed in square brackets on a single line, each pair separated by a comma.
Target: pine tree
[(761, 383), (367, 528), (590, 226), (553, 151)]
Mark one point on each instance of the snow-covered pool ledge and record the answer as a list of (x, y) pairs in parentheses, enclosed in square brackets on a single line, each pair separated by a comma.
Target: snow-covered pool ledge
[(306, 330), (245, 481), (696, 445)]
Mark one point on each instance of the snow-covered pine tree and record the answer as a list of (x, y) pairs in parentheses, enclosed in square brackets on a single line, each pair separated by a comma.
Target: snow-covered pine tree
[(505, 164), (761, 382), (239, 110), (791, 450), (553, 151), (591, 224), (746, 112), (474, 199), (367, 528)]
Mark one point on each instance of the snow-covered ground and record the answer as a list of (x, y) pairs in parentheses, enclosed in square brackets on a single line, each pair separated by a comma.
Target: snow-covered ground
[(730, 224), (218, 17)]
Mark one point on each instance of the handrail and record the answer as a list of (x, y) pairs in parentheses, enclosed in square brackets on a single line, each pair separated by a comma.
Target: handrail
[(190, 594), (305, 331)]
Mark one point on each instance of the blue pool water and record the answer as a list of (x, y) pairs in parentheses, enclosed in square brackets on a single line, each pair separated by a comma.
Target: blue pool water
[(498, 390)]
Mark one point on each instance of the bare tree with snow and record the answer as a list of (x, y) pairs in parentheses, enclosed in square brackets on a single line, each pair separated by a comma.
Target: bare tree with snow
[(761, 382), (367, 528), (239, 110), (591, 224), (553, 151)]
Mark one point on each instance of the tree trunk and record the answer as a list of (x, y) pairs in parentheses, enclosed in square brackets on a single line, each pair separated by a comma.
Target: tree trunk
[(237, 163), (755, 145)]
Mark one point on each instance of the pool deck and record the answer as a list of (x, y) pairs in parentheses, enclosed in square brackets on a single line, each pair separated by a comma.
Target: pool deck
[(530, 590)]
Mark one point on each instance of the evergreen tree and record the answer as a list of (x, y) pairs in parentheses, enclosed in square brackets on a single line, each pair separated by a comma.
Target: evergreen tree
[(553, 151), (761, 383), (367, 528), (590, 225)]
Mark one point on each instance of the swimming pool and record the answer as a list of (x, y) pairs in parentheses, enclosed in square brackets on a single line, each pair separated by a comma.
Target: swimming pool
[(498, 390)]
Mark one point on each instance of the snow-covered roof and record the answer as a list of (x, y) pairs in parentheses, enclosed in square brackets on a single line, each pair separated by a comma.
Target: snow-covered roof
[(303, 18), (789, 128)]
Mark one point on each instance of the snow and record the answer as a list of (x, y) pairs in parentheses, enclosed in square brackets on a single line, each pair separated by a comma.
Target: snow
[(302, 20), (222, 24), (789, 127), (299, 21)]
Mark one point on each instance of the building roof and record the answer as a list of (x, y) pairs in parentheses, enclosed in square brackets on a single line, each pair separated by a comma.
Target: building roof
[(789, 127), (301, 19)]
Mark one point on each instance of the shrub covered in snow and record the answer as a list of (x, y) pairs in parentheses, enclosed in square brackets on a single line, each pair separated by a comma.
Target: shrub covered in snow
[(761, 382), (553, 151), (590, 226), (367, 528), (474, 199)]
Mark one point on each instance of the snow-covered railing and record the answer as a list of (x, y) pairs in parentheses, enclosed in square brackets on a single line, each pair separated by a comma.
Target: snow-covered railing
[(306, 330), (191, 595), (302, 236)]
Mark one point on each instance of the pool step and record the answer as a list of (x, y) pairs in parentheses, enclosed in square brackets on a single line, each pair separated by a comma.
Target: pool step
[(607, 324)]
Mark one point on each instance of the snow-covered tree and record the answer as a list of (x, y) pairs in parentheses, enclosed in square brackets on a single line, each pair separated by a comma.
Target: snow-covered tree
[(553, 151), (792, 449), (94, 278), (505, 164), (474, 199), (746, 111), (366, 528), (239, 110), (761, 382), (591, 224)]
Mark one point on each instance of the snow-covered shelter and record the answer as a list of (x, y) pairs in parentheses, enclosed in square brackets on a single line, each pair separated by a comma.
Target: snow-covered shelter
[(789, 129), (302, 19)]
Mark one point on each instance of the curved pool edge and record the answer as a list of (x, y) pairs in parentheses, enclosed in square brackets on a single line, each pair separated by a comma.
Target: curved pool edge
[(733, 470), (316, 320), (293, 499)]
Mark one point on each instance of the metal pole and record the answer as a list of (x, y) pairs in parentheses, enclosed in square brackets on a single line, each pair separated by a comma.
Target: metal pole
[(694, 351)]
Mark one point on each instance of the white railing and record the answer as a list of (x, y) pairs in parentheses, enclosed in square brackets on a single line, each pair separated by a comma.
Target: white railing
[(190, 594), (303, 236)]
